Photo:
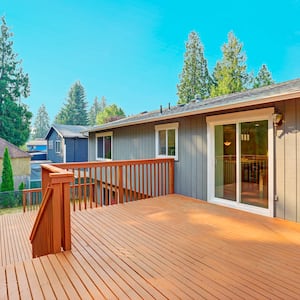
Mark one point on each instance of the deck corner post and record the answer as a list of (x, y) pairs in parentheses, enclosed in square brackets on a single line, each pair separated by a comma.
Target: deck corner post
[(171, 176)]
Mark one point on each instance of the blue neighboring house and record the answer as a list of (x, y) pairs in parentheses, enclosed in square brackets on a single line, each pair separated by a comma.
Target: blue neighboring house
[(67, 143)]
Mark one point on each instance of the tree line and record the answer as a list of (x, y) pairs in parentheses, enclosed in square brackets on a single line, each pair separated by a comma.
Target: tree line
[(75, 112), (229, 74)]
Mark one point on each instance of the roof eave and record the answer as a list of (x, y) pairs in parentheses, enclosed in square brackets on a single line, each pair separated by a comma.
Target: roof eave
[(237, 104)]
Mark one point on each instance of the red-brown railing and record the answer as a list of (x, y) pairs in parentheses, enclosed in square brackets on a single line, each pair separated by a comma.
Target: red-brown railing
[(88, 185), (111, 182), (52, 228)]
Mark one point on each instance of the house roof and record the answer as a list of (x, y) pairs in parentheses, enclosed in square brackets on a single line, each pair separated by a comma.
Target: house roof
[(37, 142), (14, 151), (267, 94), (69, 131)]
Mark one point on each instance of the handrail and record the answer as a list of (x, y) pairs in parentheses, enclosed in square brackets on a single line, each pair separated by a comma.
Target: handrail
[(52, 227), (96, 184)]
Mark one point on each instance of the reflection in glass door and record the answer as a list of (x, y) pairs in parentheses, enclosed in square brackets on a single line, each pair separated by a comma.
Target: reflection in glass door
[(225, 162), (254, 163), (241, 162)]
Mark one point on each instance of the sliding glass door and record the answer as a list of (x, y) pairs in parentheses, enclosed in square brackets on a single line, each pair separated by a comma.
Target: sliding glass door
[(240, 153)]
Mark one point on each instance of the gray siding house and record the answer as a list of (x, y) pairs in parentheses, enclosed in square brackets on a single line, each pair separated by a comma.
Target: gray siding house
[(67, 143), (240, 150)]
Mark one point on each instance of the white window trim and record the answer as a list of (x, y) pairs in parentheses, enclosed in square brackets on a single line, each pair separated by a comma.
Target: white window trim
[(109, 133), (234, 118), (166, 127), (58, 142)]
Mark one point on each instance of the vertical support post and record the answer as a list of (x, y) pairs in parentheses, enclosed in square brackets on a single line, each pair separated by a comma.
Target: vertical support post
[(56, 218), (121, 192), (66, 239), (171, 176)]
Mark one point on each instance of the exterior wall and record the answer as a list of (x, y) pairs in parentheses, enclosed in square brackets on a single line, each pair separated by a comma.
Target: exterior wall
[(77, 149), (287, 152), (52, 155), (138, 142), (191, 168)]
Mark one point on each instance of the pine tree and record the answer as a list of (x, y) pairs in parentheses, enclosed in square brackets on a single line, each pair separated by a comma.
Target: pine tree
[(14, 84), (42, 123), (74, 112), (109, 114), (7, 173), (230, 74), (95, 109), (195, 78), (263, 78)]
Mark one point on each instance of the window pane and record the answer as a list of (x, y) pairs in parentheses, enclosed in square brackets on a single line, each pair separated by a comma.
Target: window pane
[(254, 163), (57, 146), (100, 147), (225, 162), (107, 147), (162, 142), (171, 142)]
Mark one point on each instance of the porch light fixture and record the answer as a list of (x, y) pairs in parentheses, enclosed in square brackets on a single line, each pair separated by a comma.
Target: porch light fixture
[(277, 119), (227, 143)]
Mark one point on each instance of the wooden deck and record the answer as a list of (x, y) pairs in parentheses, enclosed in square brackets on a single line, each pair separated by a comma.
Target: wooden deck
[(168, 247)]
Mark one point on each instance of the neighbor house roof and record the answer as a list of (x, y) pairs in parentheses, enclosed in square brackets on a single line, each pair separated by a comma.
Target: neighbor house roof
[(37, 142), (267, 94), (69, 131), (14, 151)]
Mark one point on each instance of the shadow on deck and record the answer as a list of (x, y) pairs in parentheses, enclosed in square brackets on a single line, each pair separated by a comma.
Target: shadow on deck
[(166, 247)]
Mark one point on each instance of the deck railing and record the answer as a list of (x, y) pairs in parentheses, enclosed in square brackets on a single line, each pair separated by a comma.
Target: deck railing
[(52, 228), (112, 182), (87, 185)]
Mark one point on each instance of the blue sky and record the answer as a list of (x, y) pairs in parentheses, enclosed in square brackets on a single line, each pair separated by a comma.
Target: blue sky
[(131, 51)]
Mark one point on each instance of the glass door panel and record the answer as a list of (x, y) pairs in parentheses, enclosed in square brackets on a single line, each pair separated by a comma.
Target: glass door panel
[(225, 162), (254, 163)]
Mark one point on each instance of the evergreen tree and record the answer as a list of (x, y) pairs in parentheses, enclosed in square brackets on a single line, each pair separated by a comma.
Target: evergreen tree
[(42, 123), (7, 173), (74, 112), (14, 84), (263, 78), (109, 114), (230, 74), (96, 108), (195, 78)]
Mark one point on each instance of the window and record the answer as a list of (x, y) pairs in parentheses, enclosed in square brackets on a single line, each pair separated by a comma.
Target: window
[(104, 145), (166, 140), (50, 144), (57, 146)]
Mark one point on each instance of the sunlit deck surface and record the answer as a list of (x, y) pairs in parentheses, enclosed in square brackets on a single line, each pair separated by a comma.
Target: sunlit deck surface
[(168, 247)]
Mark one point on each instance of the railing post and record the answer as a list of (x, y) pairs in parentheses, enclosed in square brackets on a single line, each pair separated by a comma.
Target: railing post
[(171, 176), (121, 194), (66, 217), (56, 217)]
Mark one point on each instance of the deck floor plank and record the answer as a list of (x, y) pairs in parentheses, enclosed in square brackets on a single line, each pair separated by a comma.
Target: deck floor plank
[(12, 283), (171, 247), (3, 285), (83, 275), (33, 281), (23, 281), (44, 282)]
